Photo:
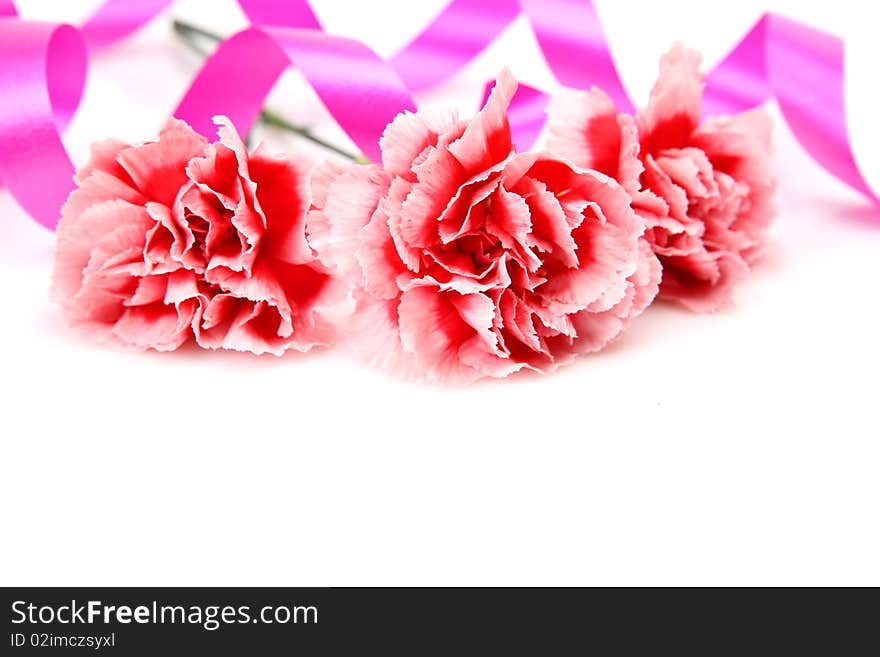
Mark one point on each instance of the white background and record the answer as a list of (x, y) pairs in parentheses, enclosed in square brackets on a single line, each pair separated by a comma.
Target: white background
[(737, 448)]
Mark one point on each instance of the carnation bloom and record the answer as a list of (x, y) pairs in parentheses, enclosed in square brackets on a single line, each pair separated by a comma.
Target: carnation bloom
[(181, 238), (705, 189), (473, 260)]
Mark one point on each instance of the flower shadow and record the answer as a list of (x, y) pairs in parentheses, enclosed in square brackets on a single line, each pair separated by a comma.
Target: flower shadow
[(191, 353)]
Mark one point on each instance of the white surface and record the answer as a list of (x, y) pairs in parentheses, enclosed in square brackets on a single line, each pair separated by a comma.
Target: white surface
[(739, 448)]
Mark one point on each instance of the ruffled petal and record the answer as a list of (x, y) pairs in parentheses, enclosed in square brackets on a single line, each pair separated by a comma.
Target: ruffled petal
[(158, 168), (486, 140), (378, 258), (283, 196), (77, 235), (434, 326), (154, 326), (408, 135), (103, 157), (686, 281), (585, 127), (673, 111), (352, 199)]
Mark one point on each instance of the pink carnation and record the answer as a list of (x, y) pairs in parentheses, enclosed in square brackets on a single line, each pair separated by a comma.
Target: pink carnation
[(182, 238), (473, 260), (705, 189)]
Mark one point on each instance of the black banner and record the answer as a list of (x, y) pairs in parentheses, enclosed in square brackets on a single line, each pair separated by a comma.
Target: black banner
[(415, 621)]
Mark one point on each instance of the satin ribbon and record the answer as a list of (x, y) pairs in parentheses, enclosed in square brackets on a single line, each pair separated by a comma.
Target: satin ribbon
[(42, 69), (450, 41), (802, 69), (455, 37), (358, 88), (573, 43), (42, 75), (798, 66), (116, 19)]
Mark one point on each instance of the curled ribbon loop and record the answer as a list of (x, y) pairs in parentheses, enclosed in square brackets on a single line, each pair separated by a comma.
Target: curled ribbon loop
[(42, 75), (457, 35), (359, 89), (41, 79), (802, 69), (43, 66), (116, 19), (271, 13), (449, 42), (573, 43)]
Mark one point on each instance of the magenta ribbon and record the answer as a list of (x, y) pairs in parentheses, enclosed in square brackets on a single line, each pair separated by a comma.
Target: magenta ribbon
[(802, 68), (42, 75), (573, 43), (455, 37), (798, 66), (43, 66), (116, 19), (358, 88)]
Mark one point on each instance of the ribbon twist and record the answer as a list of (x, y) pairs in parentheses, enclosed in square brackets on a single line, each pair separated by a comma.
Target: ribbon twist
[(43, 67), (358, 88)]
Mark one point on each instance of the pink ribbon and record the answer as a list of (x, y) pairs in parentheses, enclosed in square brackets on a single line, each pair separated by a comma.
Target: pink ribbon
[(116, 19), (42, 75), (271, 13), (802, 68), (457, 35), (798, 66), (42, 70), (358, 88), (573, 43)]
